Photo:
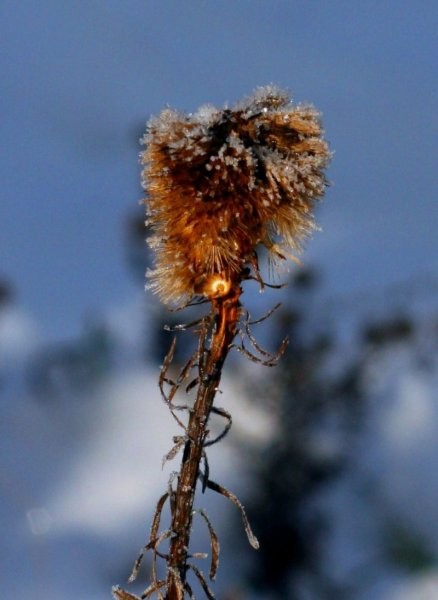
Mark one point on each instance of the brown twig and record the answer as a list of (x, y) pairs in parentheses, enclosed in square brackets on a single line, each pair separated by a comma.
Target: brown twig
[(225, 315)]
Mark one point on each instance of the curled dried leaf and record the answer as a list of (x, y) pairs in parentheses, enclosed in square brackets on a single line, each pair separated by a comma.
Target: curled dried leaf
[(215, 546), (235, 500), (120, 594)]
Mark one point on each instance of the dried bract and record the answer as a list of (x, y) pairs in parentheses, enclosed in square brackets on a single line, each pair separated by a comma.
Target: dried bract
[(221, 182)]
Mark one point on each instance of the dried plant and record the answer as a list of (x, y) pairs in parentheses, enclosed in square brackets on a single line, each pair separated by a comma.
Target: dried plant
[(220, 184)]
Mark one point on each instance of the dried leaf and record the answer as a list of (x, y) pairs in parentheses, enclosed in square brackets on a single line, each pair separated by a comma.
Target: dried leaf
[(235, 500), (179, 442), (222, 413), (189, 590), (200, 555), (120, 594), (204, 477), (215, 546), (192, 384), (162, 537), (152, 537), (266, 316), (154, 587), (202, 581), (241, 348)]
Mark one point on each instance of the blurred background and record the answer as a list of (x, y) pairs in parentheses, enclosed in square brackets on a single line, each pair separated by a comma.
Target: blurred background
[(333, 452)]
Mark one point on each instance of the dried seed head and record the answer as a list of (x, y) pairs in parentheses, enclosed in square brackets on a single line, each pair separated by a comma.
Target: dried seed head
[(221, 182)]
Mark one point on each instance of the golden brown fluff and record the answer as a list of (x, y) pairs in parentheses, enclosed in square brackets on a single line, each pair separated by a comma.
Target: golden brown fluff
[(220, 182)]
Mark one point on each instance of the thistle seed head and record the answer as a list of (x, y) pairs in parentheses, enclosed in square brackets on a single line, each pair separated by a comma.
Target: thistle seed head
[(221, 182)]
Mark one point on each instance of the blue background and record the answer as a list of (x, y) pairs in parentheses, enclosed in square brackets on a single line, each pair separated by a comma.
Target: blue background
[(79, 80)]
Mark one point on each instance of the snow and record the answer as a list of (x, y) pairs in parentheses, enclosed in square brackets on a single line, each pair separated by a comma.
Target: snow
[(81, 473), (392, 482), (19, 334)]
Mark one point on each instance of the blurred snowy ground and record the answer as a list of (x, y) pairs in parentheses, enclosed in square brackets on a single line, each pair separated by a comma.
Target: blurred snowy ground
[(81, 469), (383, 511)]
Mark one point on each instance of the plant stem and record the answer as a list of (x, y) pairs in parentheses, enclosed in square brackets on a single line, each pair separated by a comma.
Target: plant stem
[(223, 328)]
